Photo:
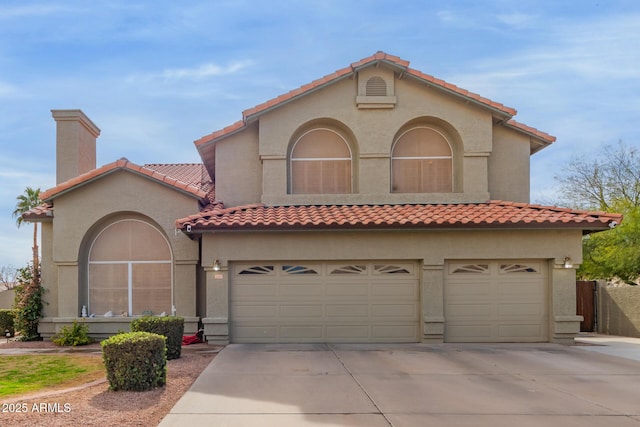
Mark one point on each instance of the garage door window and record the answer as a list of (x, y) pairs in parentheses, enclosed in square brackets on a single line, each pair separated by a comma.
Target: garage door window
[(350, 269), (298, 269), (258, 269), (470, 269), (518, 268)]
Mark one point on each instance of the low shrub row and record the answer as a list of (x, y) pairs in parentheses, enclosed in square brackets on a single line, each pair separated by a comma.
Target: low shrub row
[(170, 327), (134, 361)]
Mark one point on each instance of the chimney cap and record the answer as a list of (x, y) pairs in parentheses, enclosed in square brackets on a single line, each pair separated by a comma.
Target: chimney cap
[(76, 115)]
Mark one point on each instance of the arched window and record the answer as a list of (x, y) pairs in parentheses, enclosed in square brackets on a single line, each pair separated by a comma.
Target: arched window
[(421, 162), (130, 270), (320, 164)]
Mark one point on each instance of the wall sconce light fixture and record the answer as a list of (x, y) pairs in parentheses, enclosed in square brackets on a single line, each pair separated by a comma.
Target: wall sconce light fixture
[(567, 262), (216, 265)]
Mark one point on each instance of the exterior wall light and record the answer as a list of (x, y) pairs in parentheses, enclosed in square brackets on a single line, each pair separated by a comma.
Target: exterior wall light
[(216, 265), (567, 262)]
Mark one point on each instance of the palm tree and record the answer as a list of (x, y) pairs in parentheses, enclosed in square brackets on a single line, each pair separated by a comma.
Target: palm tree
[(26, 201)]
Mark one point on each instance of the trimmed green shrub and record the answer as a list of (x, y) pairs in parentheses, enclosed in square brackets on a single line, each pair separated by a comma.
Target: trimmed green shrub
[(74, 335), (135, 361), (6, 322), (171, 327)]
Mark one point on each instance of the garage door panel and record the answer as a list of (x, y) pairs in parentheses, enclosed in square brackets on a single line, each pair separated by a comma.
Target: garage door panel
[(513, 331), (468, 310), (470, 333), (347, 289), (516, 310), (308, 311), (478, 288), (302, 332), (347, 310), (496, 301), (337, 302), (300, 290), (257, 334), (391, 333), (348, 332), (257, 311), (256, 289), (396, 289), (403, 311)]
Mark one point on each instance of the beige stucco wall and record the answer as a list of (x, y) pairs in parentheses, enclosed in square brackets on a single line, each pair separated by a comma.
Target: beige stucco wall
[(238, 169), (509, 166), (371, 133), (83, 212), (49, 274), (430, 248), (7, 298), (619, 310)]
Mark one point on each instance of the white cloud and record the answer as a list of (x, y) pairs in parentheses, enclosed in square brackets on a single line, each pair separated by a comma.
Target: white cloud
[(9, 12), (198, 73)]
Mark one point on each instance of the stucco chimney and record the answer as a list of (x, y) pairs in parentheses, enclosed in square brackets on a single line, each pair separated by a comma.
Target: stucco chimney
[(75, 144)]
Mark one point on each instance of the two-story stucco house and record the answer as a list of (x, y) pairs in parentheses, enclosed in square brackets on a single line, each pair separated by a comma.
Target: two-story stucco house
[(375, 204)]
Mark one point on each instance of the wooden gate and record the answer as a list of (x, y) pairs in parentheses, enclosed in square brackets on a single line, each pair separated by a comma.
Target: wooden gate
[(586, 304)]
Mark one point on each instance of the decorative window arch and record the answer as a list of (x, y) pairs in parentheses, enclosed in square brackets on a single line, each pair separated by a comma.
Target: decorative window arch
[(130, 270), (421, 162), (321, 163)]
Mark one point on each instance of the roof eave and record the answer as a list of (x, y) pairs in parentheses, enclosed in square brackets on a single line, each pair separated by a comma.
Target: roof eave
[(586, 229), (200, 195), (253, 117)]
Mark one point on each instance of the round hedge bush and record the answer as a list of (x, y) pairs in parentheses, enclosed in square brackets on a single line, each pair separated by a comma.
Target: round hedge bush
[(135, 361)]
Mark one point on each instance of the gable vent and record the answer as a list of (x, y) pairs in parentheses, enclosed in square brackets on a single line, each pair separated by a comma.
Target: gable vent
[(376, 86)]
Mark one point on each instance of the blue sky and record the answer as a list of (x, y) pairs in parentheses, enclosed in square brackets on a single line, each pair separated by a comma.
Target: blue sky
[(156, 75)]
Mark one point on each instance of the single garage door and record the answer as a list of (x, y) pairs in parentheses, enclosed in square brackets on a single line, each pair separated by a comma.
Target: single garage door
[(289, 302), (497, 301)]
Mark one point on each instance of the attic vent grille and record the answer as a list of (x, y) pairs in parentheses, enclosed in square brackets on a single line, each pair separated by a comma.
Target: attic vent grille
[(376, 86)]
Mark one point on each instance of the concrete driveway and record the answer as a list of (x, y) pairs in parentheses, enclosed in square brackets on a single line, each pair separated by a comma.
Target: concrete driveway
[(412, 385)]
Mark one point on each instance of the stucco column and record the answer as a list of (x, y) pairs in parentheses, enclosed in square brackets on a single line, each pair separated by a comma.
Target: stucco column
[(216, 322), (565, 324), (68, 305), (432, 303), (184, 297)]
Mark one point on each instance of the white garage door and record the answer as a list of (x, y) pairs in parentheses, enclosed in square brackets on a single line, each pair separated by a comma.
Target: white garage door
[(498, 301), (290, 302)]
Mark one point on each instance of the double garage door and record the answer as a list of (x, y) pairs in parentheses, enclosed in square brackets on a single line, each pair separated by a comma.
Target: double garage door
[(289, 302), (324, 302)]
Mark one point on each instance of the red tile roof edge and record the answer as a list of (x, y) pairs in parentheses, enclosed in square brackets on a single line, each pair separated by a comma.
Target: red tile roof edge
[(41, 212), (548, 216), (341, 73), (530, 130), (121, 164)]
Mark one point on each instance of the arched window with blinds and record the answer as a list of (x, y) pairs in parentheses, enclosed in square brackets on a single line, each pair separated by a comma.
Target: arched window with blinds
[(321, 163), (421, 162)]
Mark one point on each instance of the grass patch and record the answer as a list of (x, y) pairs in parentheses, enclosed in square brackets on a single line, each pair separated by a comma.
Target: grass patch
[(31, 373)]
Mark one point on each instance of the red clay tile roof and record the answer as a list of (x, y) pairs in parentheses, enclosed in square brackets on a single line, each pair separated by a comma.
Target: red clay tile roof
[(532, 131), (122, 164), (347, 71), (44, 211), (473, 215), (194, 174)]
